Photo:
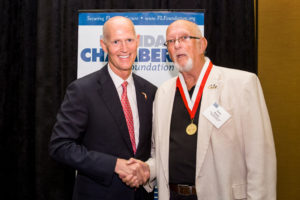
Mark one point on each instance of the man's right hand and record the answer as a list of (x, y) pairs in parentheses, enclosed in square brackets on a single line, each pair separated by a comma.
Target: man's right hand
[(133, 172)]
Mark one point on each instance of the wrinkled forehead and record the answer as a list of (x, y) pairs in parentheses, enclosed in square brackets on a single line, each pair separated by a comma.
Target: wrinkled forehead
[(178, 30)]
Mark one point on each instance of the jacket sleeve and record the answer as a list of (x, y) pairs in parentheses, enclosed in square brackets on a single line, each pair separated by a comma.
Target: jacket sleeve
[(259, 144), (66, 140), (149, 186)]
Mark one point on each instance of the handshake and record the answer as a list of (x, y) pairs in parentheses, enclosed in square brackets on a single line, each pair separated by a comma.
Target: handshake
[(133, 172)]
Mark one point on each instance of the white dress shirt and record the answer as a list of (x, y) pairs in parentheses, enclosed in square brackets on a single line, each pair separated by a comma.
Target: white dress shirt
[(131, 94)]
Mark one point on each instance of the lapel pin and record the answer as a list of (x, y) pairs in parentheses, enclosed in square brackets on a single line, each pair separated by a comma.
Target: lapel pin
[(212, 86), (145, 95)]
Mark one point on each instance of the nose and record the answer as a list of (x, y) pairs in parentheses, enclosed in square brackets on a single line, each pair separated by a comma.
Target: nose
[(124, 46), (177, 44)]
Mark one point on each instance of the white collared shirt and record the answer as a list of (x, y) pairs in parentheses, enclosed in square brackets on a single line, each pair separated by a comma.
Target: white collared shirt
[(131, 94)]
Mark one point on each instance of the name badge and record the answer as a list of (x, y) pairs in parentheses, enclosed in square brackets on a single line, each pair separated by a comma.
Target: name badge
[(216, 115)]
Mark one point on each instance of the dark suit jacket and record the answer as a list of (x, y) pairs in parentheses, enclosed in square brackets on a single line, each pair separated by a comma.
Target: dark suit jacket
[(91, 133)]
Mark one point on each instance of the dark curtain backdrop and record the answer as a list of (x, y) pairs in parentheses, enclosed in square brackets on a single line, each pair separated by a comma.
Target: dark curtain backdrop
[(38, 58)]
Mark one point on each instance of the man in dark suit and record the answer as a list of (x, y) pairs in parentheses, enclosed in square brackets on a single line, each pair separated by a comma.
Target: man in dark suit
[(105, 120)]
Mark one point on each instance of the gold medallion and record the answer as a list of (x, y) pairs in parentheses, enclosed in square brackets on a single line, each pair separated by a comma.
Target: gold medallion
[(191, 129)]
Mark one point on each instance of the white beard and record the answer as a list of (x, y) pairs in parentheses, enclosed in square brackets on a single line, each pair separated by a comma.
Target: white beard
[(185, 68)]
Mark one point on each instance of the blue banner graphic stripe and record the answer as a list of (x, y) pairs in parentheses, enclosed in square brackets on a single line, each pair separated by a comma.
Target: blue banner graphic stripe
[(141, 18)]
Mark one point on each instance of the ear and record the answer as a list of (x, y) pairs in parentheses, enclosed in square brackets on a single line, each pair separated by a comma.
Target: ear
[(203, 45), (104, 46), (138, 40)]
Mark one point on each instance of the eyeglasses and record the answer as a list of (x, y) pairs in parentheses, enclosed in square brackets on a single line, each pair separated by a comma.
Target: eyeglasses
[(183, 39)]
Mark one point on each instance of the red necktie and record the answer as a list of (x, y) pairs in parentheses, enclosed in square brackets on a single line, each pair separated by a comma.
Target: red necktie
[(128, 115)]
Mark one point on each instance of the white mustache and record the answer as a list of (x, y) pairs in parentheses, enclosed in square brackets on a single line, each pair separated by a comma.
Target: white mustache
[(180, 54)]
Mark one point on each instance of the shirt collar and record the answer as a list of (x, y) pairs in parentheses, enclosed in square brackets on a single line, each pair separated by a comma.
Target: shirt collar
[(118, 80)]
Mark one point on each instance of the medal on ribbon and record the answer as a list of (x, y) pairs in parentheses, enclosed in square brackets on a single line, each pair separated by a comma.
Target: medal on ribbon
[(193, 104)]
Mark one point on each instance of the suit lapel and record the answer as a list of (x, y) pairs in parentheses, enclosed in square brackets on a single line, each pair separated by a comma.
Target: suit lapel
[(109, 94), (211, 95), (140, 90), (165, 120)]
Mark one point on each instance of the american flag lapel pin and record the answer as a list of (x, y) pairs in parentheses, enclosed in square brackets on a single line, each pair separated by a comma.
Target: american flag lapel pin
[(145, 95)]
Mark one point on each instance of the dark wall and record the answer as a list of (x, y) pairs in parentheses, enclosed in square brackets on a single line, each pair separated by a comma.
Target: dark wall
[(38, 58)]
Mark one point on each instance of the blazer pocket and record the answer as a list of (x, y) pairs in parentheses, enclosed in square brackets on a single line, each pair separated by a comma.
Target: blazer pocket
[(239, 191)]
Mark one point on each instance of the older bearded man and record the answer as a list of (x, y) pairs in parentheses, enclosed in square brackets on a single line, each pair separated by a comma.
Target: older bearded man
[(212, 137)]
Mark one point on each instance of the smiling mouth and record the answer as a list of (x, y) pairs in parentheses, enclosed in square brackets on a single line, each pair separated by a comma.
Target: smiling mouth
[(124, 56)]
